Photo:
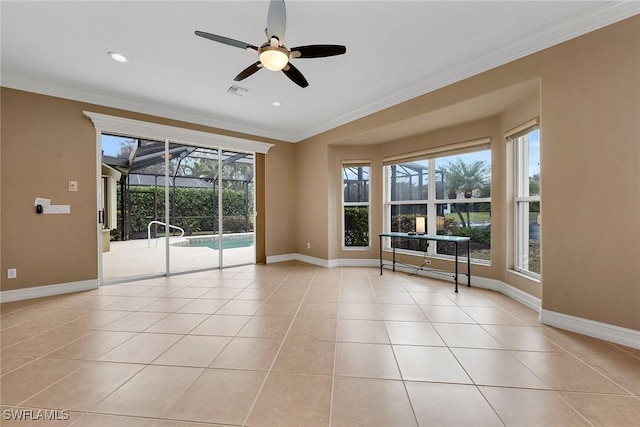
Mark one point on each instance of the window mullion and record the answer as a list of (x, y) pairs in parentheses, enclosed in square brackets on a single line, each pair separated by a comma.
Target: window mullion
[(431, 205)]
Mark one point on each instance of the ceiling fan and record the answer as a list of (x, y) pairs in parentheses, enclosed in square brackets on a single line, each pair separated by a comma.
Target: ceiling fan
[(273, 54)]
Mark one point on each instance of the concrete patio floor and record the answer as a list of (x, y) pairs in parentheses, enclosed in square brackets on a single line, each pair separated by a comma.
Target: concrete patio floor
[(134, 258)]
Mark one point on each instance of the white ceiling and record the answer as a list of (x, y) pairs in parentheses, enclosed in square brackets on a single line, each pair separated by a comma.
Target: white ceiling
[(396, 50)]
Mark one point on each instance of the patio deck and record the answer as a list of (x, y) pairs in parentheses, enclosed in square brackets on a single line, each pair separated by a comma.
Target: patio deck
[(134, 258)]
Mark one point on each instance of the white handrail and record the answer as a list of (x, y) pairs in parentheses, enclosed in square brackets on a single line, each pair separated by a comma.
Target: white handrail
[(161, 223)]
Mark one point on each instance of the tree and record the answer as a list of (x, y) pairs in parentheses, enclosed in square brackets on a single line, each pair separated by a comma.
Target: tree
[(534, 185), (461, 177)]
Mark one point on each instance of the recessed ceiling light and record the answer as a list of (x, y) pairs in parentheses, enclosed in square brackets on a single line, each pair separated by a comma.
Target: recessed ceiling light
[(276, 104), (118, 57)]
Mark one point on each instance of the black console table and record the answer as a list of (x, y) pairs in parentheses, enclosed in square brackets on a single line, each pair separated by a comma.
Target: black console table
[(456, 240)]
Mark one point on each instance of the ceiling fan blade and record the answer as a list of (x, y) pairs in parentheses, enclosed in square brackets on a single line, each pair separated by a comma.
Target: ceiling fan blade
[(276, 20), (317, 51), (248, 71), (295, 75), (226, 40)]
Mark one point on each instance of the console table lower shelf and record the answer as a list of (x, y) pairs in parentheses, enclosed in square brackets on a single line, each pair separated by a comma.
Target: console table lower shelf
[(456, 240)]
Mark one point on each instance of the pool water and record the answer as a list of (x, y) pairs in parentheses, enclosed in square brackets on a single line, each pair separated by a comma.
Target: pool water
[(226, 244)]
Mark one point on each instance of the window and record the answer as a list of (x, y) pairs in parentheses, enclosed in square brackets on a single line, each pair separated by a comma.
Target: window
[(355, 205), (527, 202), (453, 192)]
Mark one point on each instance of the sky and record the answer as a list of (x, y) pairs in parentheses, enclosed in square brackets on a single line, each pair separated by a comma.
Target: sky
[(111, 144), (534, 152)]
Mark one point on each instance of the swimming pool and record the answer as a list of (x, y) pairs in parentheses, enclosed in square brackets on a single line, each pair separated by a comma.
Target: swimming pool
[(229, 241), (226, 244)]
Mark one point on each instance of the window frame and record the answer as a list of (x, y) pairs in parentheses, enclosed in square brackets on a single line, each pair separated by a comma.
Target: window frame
[(521, 200), (432, 201), (345, 205)]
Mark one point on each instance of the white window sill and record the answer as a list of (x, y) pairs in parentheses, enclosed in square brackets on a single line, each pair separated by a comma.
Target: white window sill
[(357, 249)]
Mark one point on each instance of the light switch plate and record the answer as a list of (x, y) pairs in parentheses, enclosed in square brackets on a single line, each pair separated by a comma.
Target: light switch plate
[(73, 185), (56, 209), (12, 273)]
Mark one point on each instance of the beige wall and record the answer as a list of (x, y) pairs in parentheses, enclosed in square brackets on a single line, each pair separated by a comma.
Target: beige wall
[(588, 106), (312, 201), (280, 199), (591, 176), (46, 142), (589, 99), (515, 115)]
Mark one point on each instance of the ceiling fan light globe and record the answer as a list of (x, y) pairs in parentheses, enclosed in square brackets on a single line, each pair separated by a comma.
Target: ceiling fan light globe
[(274, 59)]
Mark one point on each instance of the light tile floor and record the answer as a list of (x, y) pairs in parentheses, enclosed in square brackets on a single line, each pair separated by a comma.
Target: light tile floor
[(293, 345)]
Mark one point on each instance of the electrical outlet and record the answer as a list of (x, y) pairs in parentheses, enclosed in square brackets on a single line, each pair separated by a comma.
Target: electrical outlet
[(308, 245), (12, 273)]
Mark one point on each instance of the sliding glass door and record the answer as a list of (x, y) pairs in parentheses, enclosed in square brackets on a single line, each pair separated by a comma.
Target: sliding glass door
[(195, 204), (238, 234), (173, 208), (133, 208)]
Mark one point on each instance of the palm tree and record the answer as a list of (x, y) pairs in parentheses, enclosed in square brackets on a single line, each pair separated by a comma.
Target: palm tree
[(465, 178)]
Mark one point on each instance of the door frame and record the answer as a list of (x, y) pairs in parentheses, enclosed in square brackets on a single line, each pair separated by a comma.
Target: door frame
[(104, 123)]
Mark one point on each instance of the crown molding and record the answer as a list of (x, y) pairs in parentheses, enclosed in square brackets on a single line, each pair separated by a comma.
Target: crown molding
[(589, 19), (137, 105)]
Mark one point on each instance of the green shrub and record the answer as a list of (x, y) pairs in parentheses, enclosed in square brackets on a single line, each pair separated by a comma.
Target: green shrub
[(356, 226), (195, 210), (236, 224), (404, 223), (477, 234)]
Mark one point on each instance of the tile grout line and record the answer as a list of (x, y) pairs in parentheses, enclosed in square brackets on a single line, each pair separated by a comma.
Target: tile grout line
[(218, 309), (395, 357), (149, 364), (335, 349), (275, 357), (575, 356), (316, 273), (204, 370)]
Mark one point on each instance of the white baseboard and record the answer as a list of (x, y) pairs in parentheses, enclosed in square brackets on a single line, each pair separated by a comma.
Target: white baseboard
[(354, 262), (47, 290), (281, 258), (592, 328), (332, 263), (298, 257), (313, 260), (481, 282), (512, 292), (605, 331)]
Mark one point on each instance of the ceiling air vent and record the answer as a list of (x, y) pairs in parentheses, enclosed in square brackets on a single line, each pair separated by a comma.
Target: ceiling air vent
[(237, 90)]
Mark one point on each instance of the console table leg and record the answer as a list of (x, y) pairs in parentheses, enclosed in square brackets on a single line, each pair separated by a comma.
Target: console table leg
[(394, 256), (469, 263), (456, 276), (381, 255)]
